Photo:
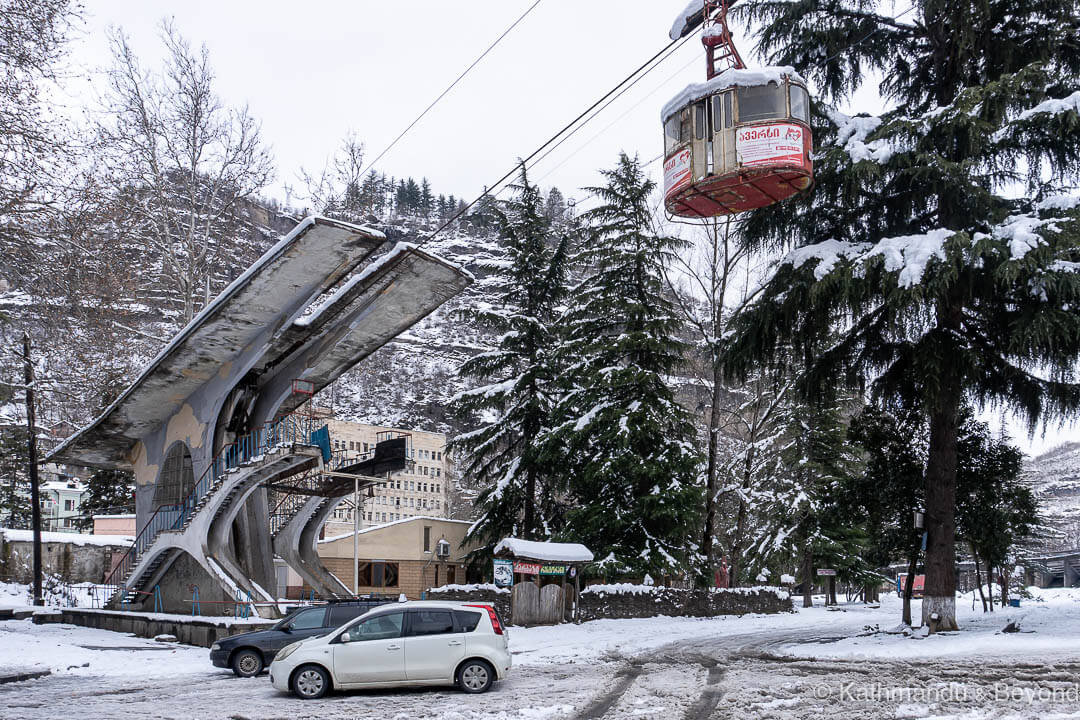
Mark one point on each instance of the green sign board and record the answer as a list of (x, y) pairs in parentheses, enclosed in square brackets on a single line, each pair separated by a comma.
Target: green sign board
[(553, 570)]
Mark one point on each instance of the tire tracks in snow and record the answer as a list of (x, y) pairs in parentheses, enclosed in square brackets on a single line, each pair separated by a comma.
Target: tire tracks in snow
[(601, 705), (710, 696)]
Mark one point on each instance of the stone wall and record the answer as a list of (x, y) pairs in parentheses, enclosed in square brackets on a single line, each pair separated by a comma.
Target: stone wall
[(639, 601), (73, 562), (477, 594)]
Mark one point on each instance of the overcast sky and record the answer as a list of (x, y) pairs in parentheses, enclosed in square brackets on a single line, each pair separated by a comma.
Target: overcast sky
[(313, 72)]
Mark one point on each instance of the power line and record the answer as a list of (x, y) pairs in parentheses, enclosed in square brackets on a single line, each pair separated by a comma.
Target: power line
[(624, 81), (609, 103), (448, 89), (614, 122), (553, 138)]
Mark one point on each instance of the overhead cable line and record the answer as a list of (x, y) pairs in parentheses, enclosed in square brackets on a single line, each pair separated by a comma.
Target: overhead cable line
[(553, 138), (607, 104), (678, 41), (614, 122), (448, 89)]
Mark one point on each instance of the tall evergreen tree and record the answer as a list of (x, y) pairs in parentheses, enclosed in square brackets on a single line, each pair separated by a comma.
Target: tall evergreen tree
[(504, 454), (940, 236), (108, 492), (803, 520), (995, 509), (426, 199), (15, 508), (890, 488), (625, 444)]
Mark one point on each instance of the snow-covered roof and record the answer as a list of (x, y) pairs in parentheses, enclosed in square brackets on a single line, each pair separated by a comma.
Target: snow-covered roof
[(72, 538), (253, 319), (726, 79), (551, 551), (685, 21), (312, 313), (402, 521)]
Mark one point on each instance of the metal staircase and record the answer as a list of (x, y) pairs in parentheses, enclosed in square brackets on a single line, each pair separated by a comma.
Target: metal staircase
[(278, 448)]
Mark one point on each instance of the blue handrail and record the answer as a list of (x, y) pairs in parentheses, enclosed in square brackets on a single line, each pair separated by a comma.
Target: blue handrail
[(286, 431)]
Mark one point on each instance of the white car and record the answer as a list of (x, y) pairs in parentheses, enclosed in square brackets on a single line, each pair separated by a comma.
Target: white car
[(409, 643)]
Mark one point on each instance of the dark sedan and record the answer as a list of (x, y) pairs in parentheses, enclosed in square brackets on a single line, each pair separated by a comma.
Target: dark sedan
[(248, 653)]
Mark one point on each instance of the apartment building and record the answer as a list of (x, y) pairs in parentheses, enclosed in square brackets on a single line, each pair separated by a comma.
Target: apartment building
[(418, 491)]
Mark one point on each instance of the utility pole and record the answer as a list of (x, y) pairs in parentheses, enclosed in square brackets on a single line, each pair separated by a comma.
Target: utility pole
[(31, 446), (356, 535)]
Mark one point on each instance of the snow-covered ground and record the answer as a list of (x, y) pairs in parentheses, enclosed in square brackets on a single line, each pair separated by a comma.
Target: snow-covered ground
[(808, 664), (1049, 626)]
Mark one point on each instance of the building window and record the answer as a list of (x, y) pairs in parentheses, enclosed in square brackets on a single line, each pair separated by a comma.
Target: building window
[(69, 504), (177, 478), (438, 472), (427, 538), (378, 574)]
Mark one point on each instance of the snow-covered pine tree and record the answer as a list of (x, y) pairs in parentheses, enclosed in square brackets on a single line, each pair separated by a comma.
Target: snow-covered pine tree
[(108, 492), (800, 517), (503, 455), (624, 443), (940, 236)]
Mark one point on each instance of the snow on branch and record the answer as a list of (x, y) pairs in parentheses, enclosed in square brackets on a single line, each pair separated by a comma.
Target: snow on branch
[(906, 255), (1053, 106), (851, 134), (909, 254), (827, 253)]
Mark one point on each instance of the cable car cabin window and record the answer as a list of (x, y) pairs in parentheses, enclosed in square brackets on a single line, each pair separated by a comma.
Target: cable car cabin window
[(800, 104), (671, 133), (761, 102), (699, 121), (721, 111)]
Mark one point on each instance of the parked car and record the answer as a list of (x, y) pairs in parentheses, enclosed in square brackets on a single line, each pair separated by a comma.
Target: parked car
[(248, 653), (410, 643)]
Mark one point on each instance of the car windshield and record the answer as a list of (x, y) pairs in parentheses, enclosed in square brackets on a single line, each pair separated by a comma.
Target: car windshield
[(308, 618)]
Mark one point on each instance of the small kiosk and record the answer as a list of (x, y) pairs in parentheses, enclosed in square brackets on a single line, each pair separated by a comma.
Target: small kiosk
[(543, 577)]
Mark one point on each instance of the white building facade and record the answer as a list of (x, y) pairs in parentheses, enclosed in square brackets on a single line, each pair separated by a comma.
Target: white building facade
[(420, 490)]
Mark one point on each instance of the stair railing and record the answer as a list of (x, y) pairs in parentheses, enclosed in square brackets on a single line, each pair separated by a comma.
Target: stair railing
[(285, 431)]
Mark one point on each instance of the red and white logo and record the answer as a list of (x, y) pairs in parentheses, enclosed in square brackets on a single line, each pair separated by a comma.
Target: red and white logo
[(780, 144), (677, 172)]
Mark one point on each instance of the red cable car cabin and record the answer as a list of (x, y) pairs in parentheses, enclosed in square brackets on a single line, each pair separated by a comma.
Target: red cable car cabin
[(738, 142)]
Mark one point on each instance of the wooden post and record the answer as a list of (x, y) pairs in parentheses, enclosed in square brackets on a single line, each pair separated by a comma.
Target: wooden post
[(31, 446), (577, 594)]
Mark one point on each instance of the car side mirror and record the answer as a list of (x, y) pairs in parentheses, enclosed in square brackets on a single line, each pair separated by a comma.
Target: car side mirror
[(287, 628)]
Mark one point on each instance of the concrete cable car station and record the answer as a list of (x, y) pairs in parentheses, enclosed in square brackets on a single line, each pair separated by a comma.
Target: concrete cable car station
[(229, 469)]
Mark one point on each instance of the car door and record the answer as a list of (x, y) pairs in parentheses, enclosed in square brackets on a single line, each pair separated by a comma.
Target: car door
[(304, 624), (432, 647), (371, 651)]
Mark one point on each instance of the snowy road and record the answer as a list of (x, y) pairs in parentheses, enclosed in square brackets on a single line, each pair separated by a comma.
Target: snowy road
[(810, 664)]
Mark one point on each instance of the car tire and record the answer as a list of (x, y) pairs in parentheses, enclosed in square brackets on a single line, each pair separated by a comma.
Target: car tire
[(475, 676), (247, 663), (310, 682)]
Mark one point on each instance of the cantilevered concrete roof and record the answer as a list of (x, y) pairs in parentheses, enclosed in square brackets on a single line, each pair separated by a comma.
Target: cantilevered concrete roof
[(378, 302)]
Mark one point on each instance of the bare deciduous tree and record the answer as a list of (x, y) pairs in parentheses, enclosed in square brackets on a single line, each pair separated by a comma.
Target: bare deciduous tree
[(337, 191), (32, 41), (186, 163)]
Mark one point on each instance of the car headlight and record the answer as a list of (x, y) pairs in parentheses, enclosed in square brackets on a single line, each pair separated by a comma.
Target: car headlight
[(215, 646), (286, 651)]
